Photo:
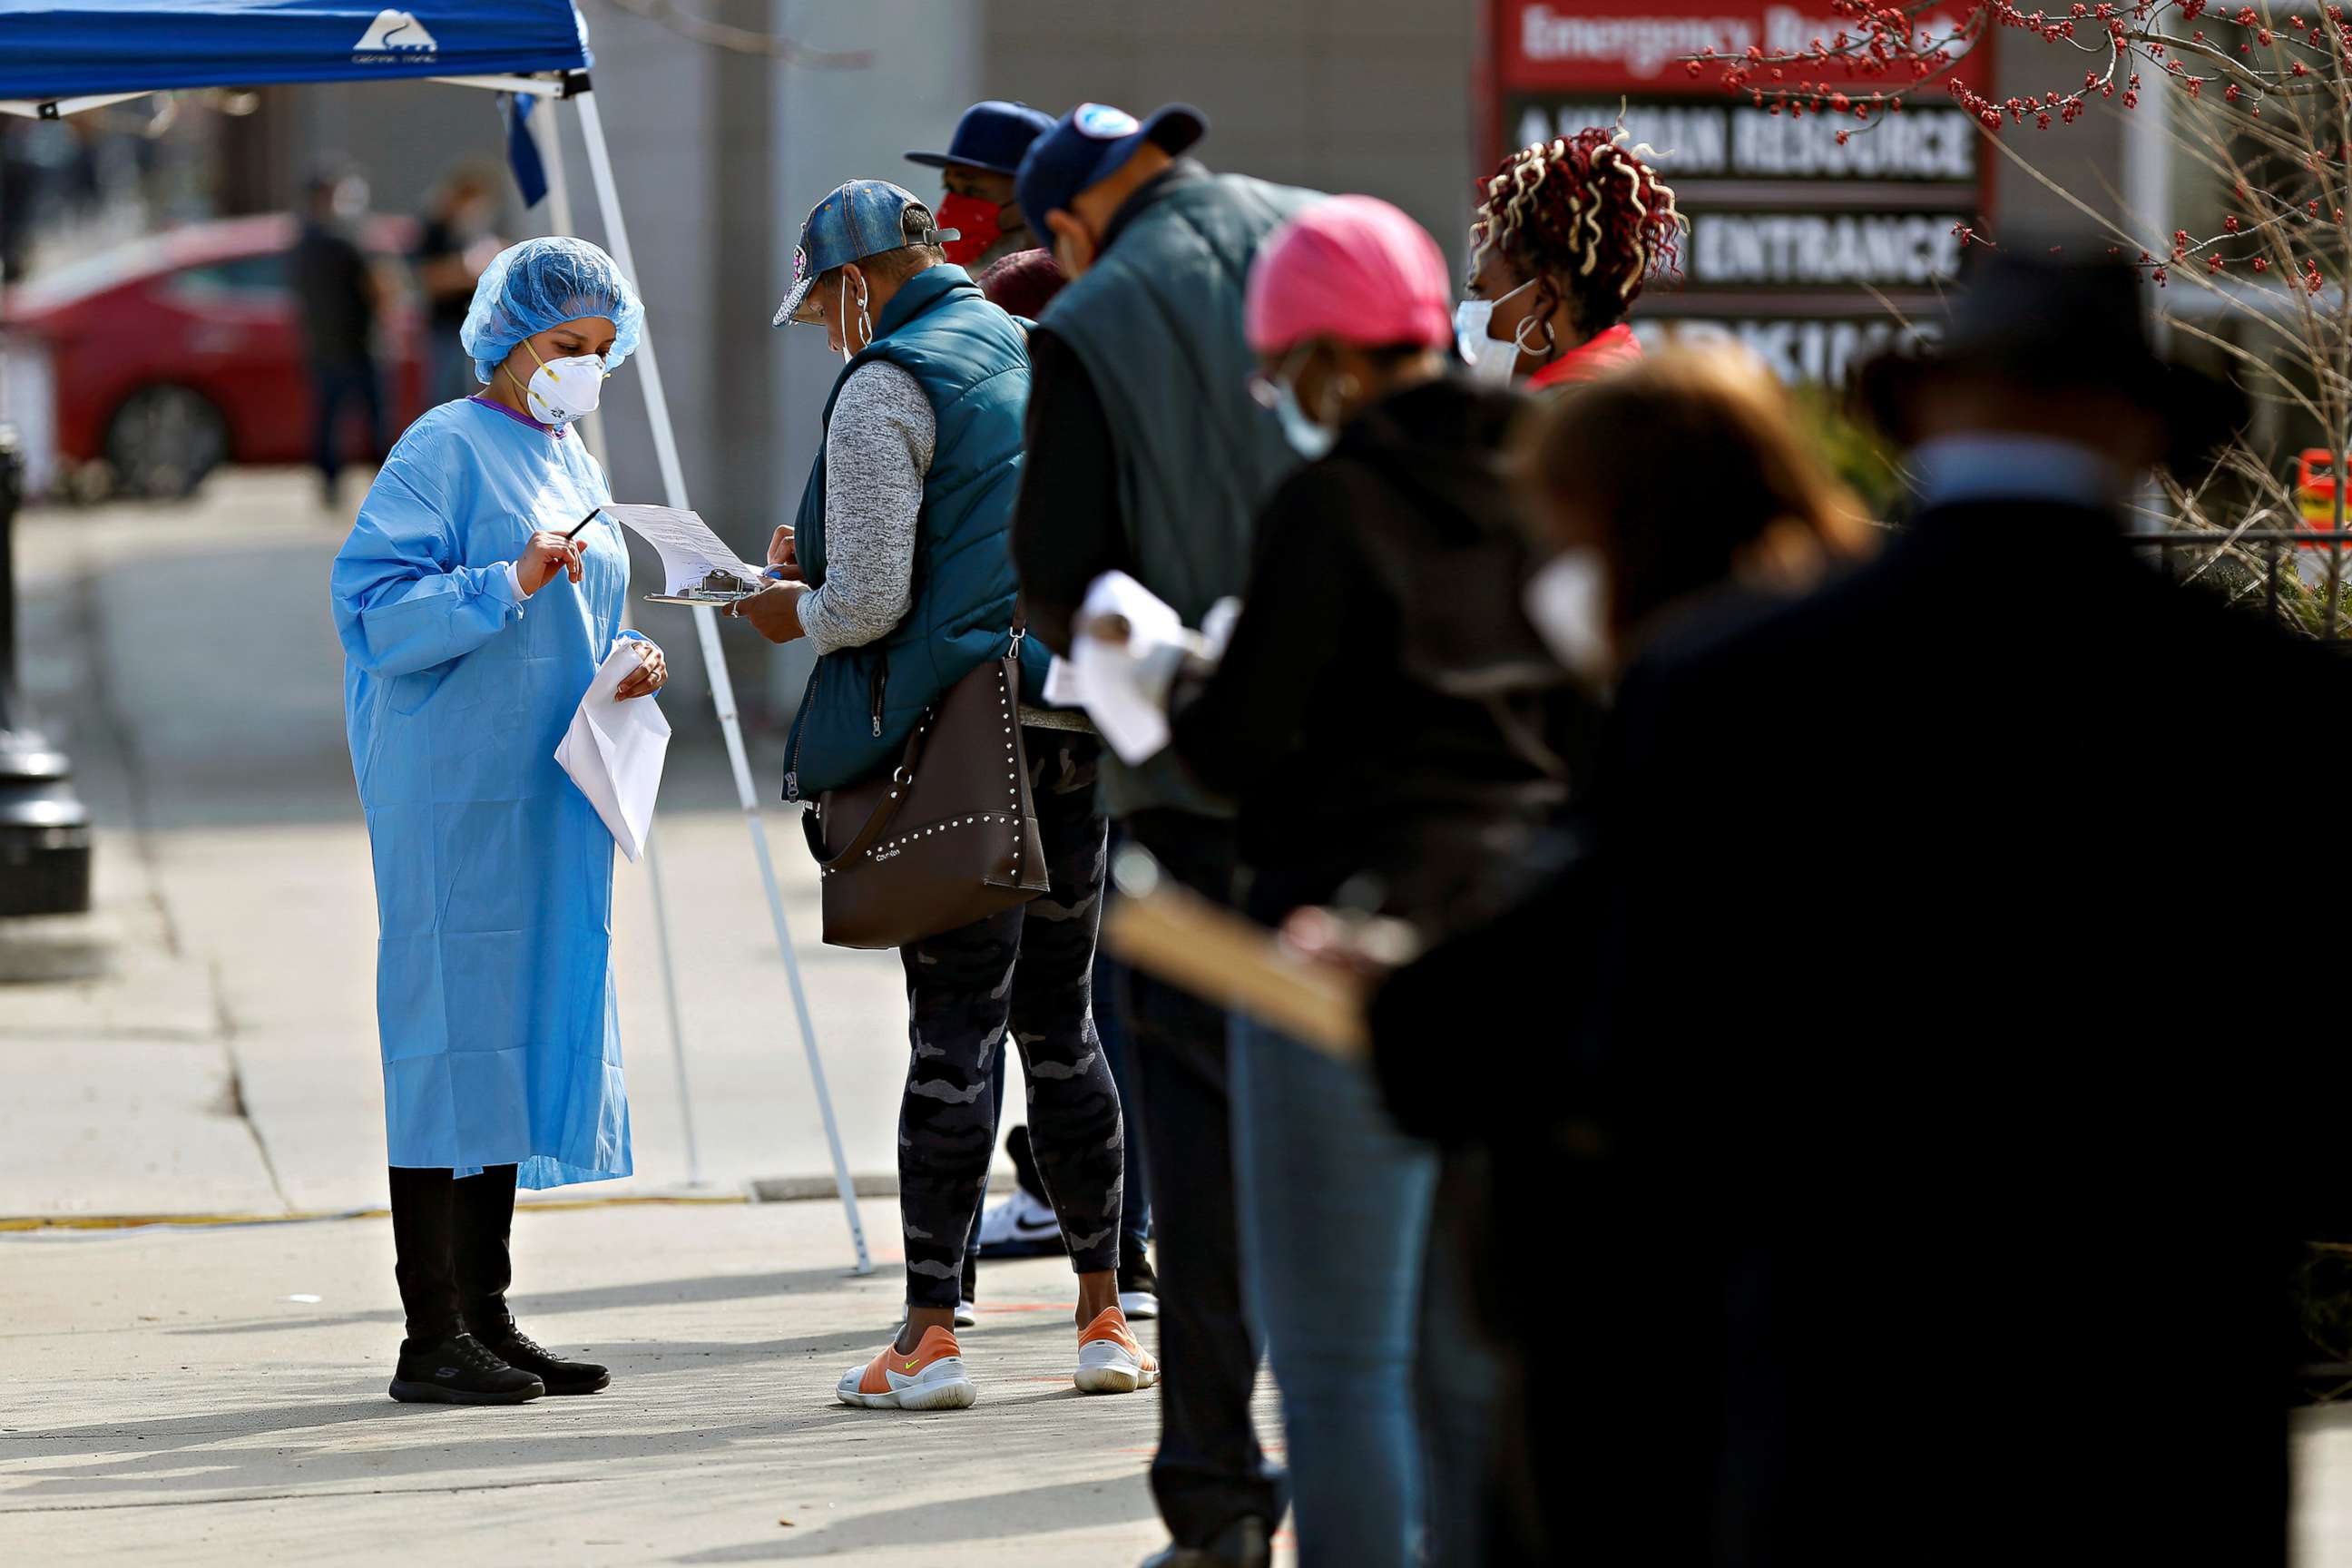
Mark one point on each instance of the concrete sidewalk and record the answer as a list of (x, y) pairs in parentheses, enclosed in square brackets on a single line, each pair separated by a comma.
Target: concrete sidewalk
[(171, 1399), (228, 1061)]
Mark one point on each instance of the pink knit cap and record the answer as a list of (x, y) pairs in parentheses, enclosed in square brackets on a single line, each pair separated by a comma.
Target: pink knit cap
[(1354, 268)]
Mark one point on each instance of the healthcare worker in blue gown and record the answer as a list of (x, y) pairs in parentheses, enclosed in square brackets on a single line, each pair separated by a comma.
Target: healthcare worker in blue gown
[(471, 627)]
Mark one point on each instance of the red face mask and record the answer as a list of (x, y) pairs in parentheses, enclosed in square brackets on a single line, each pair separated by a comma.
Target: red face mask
[(977, 221)]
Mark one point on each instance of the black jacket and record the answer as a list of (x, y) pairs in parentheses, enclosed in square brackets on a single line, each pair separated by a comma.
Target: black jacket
[(1384, 708), (1952, 1013)]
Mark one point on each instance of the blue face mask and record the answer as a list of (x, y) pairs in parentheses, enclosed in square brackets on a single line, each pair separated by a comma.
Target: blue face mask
[(1311, 438)]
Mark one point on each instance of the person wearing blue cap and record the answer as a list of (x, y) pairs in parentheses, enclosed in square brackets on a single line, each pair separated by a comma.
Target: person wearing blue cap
[(896, 569), (1148, 454), (475, 607), (976, 171)]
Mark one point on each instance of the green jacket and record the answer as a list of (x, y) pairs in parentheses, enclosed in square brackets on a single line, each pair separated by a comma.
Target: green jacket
[(1157, 321), (972, 363)]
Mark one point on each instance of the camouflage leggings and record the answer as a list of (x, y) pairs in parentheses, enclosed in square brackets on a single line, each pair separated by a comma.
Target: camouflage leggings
[(1029, 970)]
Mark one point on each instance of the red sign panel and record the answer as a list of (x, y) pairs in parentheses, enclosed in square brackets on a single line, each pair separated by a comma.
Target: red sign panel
[(1644, 45), (1804, 229)]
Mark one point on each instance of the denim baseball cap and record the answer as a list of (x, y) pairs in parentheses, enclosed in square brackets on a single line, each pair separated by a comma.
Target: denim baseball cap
[(857, 220), (1085, 145), (989, 136)]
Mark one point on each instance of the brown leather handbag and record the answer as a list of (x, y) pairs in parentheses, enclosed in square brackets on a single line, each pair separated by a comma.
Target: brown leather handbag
[(948, 836)]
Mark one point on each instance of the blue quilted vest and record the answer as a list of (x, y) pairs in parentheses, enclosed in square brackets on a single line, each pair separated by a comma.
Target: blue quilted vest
[(861, 705)]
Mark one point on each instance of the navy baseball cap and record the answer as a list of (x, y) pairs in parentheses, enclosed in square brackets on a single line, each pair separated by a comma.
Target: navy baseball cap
[(989, 136), (1087, 144), (857, 220)]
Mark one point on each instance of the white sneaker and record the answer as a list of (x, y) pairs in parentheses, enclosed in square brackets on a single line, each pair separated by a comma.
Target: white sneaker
[(933, 1378), (968, 1315), (1110, 1360), (1020, 1225), (1136, 1304)]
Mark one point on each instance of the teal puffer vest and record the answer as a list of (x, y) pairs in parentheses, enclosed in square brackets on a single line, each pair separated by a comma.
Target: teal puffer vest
[(972, 363)]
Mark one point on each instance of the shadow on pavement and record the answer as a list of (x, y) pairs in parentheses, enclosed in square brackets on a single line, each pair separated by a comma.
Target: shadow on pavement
[(536, 1304), (1069, 1505)]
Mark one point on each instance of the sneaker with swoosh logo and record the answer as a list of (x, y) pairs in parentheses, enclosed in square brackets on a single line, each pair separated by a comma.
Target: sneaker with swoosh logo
[(930, 1378)]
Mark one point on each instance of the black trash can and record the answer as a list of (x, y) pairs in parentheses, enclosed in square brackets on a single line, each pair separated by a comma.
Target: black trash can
[(43, 826)]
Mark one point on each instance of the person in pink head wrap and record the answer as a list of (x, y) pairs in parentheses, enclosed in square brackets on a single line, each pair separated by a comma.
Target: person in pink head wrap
[(1348, 301), (1392, 731)]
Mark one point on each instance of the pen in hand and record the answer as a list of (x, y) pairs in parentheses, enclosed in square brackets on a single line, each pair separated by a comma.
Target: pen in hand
[(583, 521)]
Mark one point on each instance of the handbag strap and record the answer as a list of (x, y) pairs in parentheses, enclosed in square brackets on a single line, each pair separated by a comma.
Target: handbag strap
[(878, 821)]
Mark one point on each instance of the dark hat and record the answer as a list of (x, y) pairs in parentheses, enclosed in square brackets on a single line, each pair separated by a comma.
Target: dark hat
[(990, 136), (2055, 317), (1023, 283), (1085, 145)]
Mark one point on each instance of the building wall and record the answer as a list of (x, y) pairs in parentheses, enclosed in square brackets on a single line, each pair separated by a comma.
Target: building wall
[(1369, 96)]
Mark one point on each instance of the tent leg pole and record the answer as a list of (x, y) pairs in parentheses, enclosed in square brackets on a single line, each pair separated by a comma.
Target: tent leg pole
[(549, 132), (722, 688), (676, 1026)]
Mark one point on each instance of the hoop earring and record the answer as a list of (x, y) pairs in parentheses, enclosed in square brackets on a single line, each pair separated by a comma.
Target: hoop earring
[(1519, 336)]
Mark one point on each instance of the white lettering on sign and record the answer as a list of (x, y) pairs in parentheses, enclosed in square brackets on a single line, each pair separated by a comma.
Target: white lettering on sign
[(1689, 139), (1918, 144), (1699, 141), (1642, 46), (1796, 351), (1914, 249)]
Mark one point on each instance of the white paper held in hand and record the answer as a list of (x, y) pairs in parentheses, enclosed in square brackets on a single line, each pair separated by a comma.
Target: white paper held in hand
[(613, 751), (1123, 685), (690, 553)]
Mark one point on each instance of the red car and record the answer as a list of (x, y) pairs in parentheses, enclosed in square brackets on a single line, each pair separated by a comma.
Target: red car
[(183, 350)]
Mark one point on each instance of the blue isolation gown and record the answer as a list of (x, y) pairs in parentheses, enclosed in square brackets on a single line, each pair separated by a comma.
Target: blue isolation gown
[(493, 873)]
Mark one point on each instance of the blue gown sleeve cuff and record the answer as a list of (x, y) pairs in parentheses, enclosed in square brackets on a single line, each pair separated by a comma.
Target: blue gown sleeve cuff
[(504, 585)]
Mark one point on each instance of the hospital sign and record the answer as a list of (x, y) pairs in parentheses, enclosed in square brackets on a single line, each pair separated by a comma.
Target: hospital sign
[(1799, 241)]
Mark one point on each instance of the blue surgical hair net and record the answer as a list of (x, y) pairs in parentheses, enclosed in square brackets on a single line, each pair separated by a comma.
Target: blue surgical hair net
[(542, 283)]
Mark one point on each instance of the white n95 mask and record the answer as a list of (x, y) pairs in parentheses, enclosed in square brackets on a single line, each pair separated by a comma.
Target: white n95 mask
[(1567, 602), (562, 390), (1308, 437), (1492, 361)]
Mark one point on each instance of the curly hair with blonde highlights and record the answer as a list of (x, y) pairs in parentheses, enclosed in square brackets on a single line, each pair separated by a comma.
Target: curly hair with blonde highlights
[(1586, 213)]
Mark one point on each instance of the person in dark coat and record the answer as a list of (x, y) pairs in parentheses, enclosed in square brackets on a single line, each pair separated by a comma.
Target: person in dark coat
[(1946, 1098), (339, 297), (1146, 455), (1392, 730), (1628, 560)]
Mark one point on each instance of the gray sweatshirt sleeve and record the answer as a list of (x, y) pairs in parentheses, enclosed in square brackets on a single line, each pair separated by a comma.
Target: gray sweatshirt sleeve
[(877, 452)]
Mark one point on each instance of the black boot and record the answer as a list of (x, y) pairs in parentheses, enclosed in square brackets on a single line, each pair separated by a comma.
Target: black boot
[(519, 1349), (459, 1370), (1241, 1544)]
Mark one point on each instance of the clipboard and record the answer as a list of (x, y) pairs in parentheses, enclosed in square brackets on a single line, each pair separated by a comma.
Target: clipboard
[(699, 596), (1165, 929), (715, 592)]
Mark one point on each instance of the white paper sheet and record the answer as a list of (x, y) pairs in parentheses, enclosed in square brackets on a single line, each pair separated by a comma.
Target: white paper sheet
[(689, 550), (1124, 686), (613, 751)]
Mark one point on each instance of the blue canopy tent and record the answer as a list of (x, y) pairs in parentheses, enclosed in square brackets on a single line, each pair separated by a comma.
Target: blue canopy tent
[(57, 59)]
